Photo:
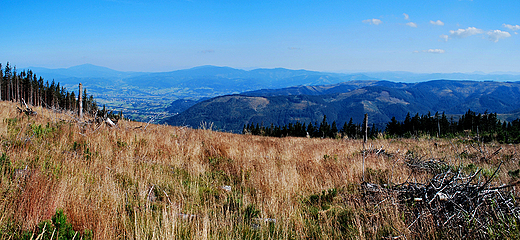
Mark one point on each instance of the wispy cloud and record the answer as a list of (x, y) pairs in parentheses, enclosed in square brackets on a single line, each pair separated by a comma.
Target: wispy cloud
[(431, 51), (438, 23), (207, 51), (406, 16), (462, 33), (495, 35), (445, 37), (374, 21), (511, 27), (411, 24), (435, 51)]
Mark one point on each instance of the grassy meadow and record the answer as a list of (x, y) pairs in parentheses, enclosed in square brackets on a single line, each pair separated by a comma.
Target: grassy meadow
[(139, 181)]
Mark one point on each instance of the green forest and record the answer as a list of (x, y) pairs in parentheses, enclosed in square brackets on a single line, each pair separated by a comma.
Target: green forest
[(485, 127), (25, 86), (321, 130)]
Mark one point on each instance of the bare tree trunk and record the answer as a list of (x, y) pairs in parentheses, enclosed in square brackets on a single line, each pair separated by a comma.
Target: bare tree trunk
[(17, 89), (365, 128), (80, 101), (31, 93), (365, 137), (8, 89)]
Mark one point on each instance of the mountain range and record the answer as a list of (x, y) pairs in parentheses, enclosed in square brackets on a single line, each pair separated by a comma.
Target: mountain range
[(142, 95), (382, 100)]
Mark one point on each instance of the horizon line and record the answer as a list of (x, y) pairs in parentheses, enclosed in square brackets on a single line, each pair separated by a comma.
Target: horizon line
[(292, 69)]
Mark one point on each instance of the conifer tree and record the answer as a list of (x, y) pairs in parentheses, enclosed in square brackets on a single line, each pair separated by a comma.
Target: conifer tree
[(1, 80), (352, 129), (324, 127), (7, 80), (333, 130), (393, 128), (16, 90)]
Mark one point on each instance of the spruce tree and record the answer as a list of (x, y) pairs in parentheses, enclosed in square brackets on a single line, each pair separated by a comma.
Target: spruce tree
[(1, 80), (344, 129), (7, 80), (393, 128), (352, 130), (16, 90), (324, 127), (333, 130)]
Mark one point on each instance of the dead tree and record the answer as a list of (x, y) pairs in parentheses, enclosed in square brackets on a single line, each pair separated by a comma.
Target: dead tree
[(80, 100)]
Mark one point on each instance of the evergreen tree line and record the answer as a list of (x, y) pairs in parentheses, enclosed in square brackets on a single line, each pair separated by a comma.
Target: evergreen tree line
[(15, 86), (322, 130), (486, 127)]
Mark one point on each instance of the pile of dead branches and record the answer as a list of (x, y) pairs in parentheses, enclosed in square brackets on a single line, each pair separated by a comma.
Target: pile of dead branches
[(378, 151), (457, 204), (417, 164)]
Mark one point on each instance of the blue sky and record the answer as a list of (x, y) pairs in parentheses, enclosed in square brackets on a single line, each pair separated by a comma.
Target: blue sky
[(339, 36)]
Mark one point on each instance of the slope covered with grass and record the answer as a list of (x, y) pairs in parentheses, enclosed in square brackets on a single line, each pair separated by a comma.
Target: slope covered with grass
[(138, 181)]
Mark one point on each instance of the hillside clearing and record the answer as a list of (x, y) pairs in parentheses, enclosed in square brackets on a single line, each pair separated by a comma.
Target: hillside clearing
[(163, 182)]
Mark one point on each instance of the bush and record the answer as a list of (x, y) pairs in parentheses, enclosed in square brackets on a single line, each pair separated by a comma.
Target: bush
[(56, 228)]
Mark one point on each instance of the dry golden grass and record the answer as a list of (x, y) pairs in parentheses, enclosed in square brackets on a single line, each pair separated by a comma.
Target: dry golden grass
[(163, 182)]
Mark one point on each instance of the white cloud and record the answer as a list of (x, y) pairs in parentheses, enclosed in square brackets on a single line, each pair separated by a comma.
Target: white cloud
[(435, 51), (438, 23), (374, 21), (445, 37), (406, 16), (462, 33), (495, 35), (411, 24), (511, 27), (431, 51)]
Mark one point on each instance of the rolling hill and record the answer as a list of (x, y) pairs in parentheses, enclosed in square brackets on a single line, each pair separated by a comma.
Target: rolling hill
[(382, 100), (141, 95)]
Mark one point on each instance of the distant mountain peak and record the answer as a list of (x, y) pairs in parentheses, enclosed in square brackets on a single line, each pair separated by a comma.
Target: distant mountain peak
[(91, 67), (211, 66), (86, 65)]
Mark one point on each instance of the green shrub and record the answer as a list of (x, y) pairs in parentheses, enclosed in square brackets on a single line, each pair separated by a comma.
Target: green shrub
[(64, 229), (514, 174), (346, 222), (250, 212), (5, 164), (56, 228)]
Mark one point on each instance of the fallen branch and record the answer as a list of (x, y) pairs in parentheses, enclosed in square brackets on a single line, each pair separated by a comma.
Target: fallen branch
[(28, 111)]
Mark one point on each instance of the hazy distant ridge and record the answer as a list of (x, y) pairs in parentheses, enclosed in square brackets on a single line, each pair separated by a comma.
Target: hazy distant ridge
[(141, 95)]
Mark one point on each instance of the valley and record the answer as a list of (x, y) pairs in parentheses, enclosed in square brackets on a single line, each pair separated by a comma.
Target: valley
[(161, 96)]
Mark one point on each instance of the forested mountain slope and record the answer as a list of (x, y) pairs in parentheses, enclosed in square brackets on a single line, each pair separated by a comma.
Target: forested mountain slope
[(382, 100)]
